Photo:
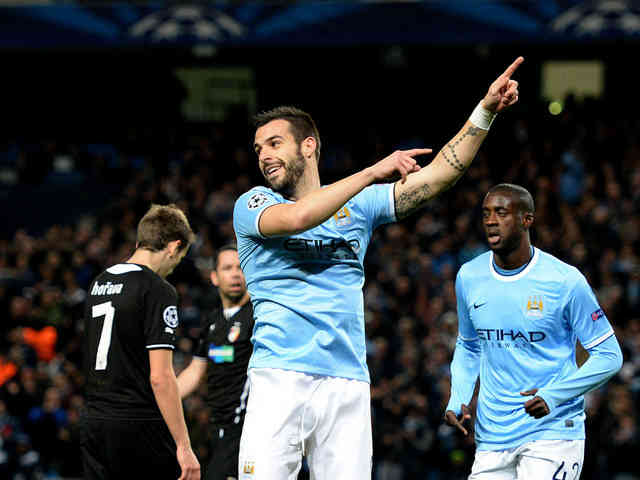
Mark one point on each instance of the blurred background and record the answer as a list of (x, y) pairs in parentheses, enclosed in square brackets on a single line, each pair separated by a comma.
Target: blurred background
[(107, 107)]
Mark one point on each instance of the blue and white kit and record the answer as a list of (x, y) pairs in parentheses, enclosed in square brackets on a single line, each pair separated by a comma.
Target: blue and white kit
[(518, 331), (306, 289)]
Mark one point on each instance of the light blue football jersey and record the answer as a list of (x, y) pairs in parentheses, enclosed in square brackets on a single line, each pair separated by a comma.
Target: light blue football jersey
[(525, 326), (306, 289)]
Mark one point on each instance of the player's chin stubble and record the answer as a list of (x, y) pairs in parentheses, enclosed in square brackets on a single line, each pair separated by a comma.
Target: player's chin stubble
[(293, 172)]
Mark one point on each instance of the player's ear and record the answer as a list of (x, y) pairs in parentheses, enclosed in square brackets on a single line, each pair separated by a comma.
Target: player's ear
[(527, 220), (174, 247), (214, 278), (308, 147)]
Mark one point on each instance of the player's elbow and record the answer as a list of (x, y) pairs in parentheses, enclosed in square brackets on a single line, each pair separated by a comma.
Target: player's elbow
[(617, 359), (159, 380), (613, 361), (617, 362)]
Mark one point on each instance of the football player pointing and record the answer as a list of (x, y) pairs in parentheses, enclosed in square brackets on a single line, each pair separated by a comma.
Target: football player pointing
[(302, 248)]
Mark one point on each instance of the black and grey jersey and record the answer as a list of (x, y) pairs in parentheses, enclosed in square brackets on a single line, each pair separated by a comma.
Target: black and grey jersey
[(226, 344), (129, 311)]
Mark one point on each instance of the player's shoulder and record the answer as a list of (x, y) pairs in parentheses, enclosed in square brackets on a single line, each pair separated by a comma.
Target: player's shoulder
[(557, 268), (256, 197), (165, 285), (246, 312), (145, 276), (476, 267), (127, 280), (122, 272)]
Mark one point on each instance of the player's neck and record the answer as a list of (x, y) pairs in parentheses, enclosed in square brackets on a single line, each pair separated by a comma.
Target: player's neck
[(309, 182), (232, 302), (154, 261), (516, 258)]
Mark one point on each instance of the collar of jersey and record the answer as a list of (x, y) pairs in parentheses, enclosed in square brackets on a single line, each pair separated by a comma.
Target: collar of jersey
[(517, 276)]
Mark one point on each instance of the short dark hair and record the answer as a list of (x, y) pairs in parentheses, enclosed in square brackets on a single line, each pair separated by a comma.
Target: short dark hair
[(163, 224), (302, 125), (520, 196), (224, 248)]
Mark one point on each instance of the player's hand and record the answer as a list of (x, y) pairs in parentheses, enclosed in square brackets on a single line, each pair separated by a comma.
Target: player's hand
[(503, 92), (188, 462), (451, 419), (536, 407), (400, 162)]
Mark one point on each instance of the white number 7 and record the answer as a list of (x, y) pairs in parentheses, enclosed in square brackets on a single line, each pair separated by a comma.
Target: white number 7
[(107, 311)]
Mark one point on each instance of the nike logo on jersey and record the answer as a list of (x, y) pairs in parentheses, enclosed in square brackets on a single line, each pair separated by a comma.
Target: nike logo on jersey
[(478, 305)]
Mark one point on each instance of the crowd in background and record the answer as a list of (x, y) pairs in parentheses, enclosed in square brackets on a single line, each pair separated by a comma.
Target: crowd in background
[(582, 167)]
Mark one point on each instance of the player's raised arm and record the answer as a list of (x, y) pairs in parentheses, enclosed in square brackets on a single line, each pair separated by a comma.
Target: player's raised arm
[(319, 205), (456, 156), (287, 144)]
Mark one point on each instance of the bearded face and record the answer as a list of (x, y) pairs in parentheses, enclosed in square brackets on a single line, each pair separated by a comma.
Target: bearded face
[(279, 156), (285, 179)]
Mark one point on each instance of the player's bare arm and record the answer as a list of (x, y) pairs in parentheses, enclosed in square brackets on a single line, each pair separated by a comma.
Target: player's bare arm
[(441, 174), (319, 205), (165, 391), (456, 156), (190, 377)]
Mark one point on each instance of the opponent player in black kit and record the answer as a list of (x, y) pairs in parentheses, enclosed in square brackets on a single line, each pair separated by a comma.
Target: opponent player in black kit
[(134, 424), (223, 352)]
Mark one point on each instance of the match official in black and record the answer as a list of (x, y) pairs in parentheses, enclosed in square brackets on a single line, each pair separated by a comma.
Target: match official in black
[(223, 351), (134, 425)]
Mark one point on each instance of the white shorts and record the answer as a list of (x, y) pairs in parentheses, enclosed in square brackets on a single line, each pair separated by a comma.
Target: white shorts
[(541, 459), (327, 418)]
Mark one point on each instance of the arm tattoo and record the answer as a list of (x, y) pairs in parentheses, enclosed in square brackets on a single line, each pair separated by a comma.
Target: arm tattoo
[(411, 200), (455, 161)]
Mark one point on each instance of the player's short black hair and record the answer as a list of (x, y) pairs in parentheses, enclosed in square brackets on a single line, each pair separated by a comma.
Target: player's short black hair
[(520, 196), (302, 125), (163, 224), (224, 248)]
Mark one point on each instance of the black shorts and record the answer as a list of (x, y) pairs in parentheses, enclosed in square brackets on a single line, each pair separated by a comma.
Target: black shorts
[(225, 447), (127, 449)]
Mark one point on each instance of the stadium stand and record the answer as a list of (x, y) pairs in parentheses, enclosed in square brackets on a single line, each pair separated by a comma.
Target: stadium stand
[(582, 167)]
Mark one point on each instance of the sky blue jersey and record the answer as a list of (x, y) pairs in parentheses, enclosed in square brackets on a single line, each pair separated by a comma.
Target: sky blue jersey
[(519, 332), (306, 289)]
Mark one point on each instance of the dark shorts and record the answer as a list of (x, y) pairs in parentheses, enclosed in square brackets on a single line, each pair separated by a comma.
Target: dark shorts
[(127, 449), (225, 446)]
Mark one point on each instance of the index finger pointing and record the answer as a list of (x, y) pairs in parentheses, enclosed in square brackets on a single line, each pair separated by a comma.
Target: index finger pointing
[(512, 68), (418, 151)]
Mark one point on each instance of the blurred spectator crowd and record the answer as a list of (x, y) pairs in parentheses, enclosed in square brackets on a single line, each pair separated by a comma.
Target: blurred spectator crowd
[(582, 167)]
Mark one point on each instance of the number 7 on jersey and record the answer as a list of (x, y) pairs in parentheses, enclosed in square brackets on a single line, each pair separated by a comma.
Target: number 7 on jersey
[(107, 311)]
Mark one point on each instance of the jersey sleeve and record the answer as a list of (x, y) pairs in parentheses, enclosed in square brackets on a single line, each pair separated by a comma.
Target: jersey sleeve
[(249, 208), (379, 204), (605, 359), (585, 316), (161, 316), (465, 366), (466, 330)]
